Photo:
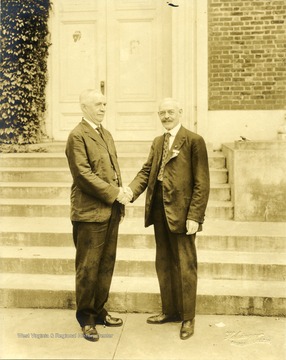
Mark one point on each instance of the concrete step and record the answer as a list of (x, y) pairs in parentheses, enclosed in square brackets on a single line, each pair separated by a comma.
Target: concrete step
[(54, 190), (215, 210), (132, 294), (205, 242), (35, 190), (126, 159), (61, 208), (226, 235), (138, 147), (62, 174), (37, 160), (140, 262), (35, 174), (121, 146)]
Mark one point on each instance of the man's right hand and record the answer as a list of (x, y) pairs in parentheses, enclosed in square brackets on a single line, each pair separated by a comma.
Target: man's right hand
[(125, 195), (128, 192)]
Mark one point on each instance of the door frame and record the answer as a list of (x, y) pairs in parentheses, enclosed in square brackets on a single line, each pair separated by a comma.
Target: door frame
[(190, 53)]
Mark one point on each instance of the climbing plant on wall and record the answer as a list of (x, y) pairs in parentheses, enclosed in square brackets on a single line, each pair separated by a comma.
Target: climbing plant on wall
[(24, 47)]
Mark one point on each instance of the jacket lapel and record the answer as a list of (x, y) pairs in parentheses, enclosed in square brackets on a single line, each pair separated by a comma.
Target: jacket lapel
[(159, 150), (112, 153), (93, 134), (106, 139), (177, 144)]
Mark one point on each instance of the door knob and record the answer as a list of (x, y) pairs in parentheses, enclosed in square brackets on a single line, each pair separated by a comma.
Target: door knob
[(102, 87)]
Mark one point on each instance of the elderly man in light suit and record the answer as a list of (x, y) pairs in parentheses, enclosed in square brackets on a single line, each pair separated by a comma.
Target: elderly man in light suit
[(177, 176), (96, 209)]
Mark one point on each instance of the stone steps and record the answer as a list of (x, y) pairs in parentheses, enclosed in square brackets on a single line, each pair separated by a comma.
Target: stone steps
[(137, 147), (58, 190), (62, 174), (241, 265), (227, 297), (61, 208), (217, 235), (204, 242), (136, 262), (37, 184), (238, 274), (59, 160)]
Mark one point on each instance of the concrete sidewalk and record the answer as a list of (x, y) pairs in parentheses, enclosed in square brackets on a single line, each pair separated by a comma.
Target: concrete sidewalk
[(55, 334)]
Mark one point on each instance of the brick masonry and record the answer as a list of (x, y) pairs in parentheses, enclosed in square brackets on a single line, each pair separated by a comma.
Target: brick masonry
[(247, 54)]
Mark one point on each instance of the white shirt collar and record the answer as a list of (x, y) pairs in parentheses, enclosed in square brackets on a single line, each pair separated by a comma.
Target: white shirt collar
[(175, 130), (91, 123)]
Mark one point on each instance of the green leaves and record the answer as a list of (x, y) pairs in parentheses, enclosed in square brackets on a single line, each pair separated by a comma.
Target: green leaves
[(24, 47)]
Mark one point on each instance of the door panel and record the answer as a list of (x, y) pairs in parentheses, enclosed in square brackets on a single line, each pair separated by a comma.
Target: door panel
[(79, 68), (123, 43), (135, 68), (78, 58), (136, 72)]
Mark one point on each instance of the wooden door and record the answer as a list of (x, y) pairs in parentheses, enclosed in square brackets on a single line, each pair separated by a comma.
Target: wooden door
[(123, 48)]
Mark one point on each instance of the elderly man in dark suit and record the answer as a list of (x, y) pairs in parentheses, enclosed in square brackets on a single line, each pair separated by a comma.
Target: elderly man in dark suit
[(177, 176), (97, 200)]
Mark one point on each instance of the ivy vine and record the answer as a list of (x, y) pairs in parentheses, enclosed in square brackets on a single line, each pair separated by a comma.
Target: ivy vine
[(24, 47)]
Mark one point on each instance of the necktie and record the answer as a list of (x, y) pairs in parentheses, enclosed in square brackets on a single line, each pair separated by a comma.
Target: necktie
[(99, 129), (164, 156)]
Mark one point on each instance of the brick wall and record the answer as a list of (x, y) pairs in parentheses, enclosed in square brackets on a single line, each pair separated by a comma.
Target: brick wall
[(247, 54)]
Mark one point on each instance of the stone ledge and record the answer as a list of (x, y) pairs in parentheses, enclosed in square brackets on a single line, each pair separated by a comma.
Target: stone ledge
[(257, 179), (260, 145)]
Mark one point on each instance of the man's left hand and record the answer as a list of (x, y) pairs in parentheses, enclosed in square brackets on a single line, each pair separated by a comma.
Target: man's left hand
[(192, 227)]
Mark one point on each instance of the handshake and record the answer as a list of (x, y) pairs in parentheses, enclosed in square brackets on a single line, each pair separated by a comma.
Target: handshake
[(125, 195)]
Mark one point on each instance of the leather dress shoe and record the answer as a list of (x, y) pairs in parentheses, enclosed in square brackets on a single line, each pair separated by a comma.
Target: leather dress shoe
[(90, 333), (162, 319), (110, 321), (187, 329)]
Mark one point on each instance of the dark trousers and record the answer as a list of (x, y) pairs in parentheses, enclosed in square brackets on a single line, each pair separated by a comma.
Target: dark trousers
[(176, 265), (95, 259)]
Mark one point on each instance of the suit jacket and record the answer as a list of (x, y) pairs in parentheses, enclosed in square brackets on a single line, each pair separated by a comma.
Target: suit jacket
[(185, 183), (94, 168)]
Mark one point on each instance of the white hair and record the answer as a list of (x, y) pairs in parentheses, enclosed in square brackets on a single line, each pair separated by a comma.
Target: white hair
[(88, 95), (172, 100)]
